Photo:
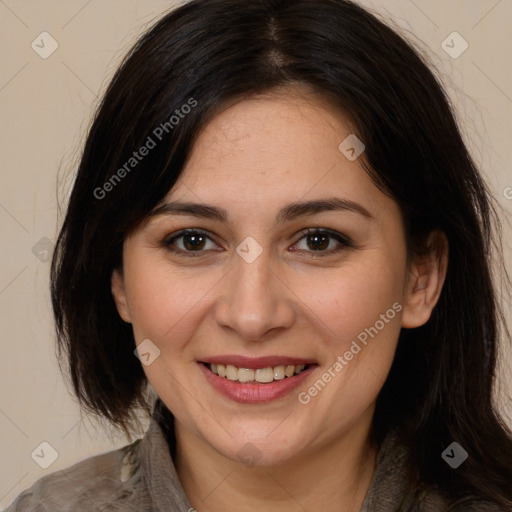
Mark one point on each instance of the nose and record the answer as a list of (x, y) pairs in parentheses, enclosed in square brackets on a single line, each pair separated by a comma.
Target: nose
[(255, 300)]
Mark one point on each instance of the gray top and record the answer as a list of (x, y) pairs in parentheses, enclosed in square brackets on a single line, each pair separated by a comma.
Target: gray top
[(142, 477)]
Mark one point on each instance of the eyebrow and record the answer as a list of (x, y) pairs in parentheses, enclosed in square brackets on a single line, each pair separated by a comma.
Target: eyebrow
[(290, 212)]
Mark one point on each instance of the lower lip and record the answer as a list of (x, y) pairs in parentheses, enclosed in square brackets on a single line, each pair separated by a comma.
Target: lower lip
[(255, 393)]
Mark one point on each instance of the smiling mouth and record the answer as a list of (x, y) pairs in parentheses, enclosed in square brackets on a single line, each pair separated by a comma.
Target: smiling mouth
[(265, 375)]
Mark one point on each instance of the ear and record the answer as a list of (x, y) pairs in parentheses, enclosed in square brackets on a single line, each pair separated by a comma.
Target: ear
[(119, 294), (427, 273)]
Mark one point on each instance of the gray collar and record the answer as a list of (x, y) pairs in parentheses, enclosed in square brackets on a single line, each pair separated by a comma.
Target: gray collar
[(160, 476)]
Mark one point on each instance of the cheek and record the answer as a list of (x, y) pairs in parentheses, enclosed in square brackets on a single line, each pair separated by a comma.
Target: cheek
[(361, 317), (352, 298), (167, 305)]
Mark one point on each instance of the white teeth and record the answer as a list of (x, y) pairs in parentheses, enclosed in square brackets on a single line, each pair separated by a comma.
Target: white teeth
[(288, 371), (245, 375), (231, 372), (261, 375), (264, 375), (279, 372)]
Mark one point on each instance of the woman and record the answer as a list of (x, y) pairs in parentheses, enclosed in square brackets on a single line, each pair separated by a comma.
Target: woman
[(276, 214)]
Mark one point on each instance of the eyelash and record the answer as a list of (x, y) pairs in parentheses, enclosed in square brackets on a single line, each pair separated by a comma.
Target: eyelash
[(344, 241)]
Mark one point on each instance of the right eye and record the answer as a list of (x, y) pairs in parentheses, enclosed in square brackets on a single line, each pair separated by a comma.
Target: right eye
[(192, 242)]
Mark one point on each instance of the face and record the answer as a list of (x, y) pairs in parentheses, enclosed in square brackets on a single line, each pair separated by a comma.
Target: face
[(298, 260)]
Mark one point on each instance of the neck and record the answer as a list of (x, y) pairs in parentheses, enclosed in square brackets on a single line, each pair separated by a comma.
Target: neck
[(333, 478)]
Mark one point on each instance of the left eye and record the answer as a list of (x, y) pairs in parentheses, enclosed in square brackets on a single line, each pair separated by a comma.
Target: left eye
[(193, 242), (319, 241)]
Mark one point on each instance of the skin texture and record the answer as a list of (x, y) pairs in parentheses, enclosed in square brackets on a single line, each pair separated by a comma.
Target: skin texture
[(252, 159)]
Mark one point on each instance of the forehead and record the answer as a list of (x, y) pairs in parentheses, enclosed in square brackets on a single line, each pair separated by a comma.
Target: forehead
[(281, 123), (282, 143)]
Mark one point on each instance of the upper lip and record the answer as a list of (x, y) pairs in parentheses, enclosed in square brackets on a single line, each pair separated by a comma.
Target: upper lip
[(256, 362)]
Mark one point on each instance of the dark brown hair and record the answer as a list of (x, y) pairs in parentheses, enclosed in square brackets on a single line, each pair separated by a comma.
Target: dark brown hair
[(440, 386)]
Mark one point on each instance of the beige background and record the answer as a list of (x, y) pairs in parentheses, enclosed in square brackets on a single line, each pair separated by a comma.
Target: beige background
[(45, 107)]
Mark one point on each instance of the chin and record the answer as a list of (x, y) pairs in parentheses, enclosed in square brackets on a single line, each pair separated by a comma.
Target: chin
[(254, 450)]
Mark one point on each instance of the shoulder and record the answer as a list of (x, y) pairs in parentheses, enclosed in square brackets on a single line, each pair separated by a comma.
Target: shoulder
[(435, 502), (95, 483), (394, 488)]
